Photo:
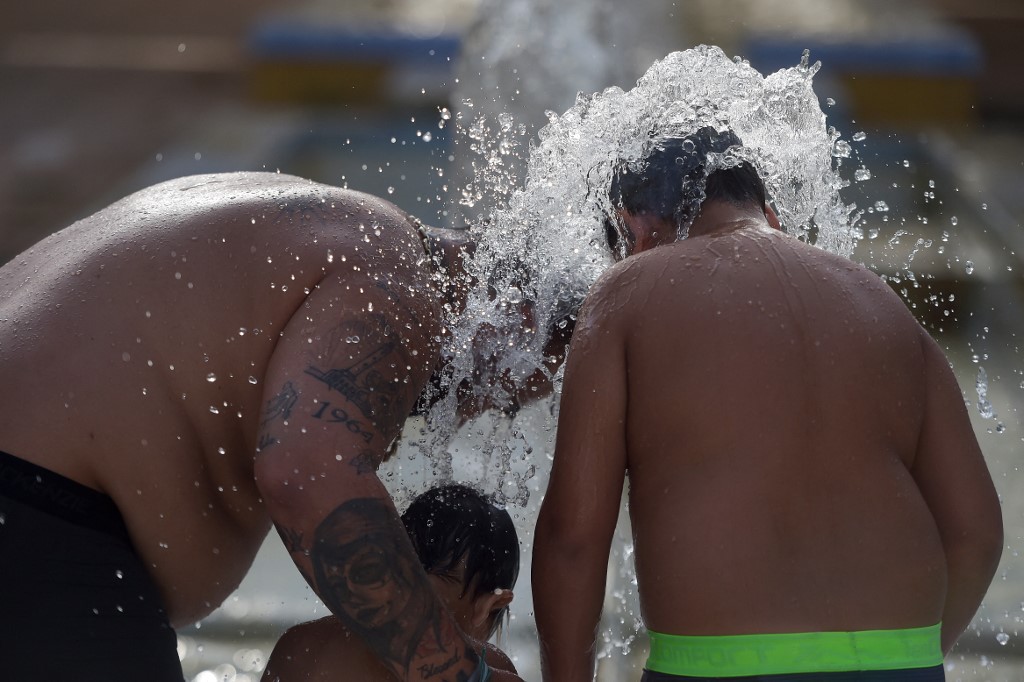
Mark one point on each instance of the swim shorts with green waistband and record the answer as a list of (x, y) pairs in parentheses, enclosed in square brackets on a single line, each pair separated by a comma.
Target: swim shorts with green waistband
[(808, 652)]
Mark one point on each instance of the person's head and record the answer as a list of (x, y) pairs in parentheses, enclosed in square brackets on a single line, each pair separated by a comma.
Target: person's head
[(659, 197), (470, 551)]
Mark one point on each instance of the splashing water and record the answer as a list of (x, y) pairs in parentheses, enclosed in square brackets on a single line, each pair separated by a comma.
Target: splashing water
[(985, 409), (542, 248)]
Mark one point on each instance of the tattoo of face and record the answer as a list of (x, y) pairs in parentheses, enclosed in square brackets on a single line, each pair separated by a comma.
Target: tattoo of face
[(370, 371), (366, 572)]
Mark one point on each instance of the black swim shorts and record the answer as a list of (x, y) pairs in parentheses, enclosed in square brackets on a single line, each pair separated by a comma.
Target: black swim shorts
[(76, 602)]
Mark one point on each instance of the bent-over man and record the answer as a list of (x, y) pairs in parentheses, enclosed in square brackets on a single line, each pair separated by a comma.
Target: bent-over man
[(194, 363)]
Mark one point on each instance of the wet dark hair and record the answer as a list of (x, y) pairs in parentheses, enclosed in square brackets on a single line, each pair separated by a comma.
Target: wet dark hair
[(453, 521), (670, 181)]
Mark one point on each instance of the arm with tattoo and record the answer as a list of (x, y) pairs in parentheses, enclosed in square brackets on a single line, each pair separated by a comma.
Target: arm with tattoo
[(339, 399)]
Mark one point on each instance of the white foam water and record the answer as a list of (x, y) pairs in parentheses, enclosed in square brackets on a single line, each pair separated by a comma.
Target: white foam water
[(543, 245)]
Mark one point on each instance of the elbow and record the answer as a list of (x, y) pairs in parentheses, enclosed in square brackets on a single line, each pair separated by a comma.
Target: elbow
[(980, 546), (566, 537), (280, 482), (994, 542), (988, 536)]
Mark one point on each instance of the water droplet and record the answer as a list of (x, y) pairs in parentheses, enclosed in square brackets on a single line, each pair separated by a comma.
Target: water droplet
[(969, 267), (214, 410), (953, 220), (126, 356), (119, 573), (253, 380), (881, 207), (860, 137), (1002, 638), (862, 174), (211, 377), (842, 149)]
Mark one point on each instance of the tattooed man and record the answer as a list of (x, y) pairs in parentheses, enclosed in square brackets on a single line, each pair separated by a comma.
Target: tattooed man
[(187, 367)]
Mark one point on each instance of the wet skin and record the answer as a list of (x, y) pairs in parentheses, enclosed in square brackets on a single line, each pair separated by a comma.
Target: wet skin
[(799, 455), (320, 650), (220, 353)]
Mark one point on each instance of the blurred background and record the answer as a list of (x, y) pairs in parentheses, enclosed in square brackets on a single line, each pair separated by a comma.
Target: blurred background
[(102, 98)]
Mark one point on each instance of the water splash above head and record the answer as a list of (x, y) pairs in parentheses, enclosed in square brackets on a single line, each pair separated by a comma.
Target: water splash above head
[(539, 252)]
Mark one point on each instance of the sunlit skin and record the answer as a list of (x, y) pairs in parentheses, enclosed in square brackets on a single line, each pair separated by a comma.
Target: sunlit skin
[(222, 353), (799, 455)]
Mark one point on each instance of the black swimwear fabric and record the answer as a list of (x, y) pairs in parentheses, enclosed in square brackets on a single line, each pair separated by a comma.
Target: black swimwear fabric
[(935, 674), (76, 602)]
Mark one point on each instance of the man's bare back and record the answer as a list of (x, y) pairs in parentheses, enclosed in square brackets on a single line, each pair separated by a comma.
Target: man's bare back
[(768, 464)]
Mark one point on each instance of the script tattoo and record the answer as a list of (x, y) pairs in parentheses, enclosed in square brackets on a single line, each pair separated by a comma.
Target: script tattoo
[(277, 408), (367, 573)]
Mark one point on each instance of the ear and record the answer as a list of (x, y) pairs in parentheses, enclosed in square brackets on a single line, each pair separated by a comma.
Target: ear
[(489, 603), (773, 219)]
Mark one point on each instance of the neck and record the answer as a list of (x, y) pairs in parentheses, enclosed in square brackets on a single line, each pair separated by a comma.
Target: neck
[(720, 217)]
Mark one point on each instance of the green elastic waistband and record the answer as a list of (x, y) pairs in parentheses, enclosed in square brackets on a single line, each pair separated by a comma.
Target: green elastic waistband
[(810, 652)]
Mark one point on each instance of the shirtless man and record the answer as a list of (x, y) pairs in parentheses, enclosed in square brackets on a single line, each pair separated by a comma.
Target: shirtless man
[(470, 552), (183, 369), (801, 464)]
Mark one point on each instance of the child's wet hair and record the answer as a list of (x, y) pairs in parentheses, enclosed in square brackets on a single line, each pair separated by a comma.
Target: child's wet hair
[(452, 523), (673, 180)]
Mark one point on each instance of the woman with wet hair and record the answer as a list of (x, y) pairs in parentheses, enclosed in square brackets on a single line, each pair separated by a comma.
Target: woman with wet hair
[(470, 551)]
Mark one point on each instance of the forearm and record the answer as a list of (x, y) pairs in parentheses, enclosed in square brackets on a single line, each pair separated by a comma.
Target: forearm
[(349, 543), (568, 591)]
